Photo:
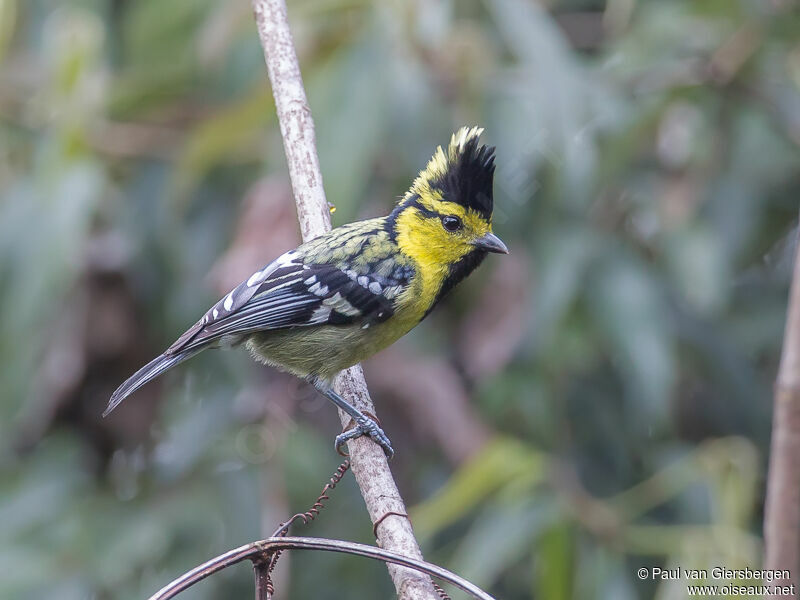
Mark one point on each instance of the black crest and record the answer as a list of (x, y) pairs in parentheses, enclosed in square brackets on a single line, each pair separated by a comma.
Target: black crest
[(469, 177), (464, 173)]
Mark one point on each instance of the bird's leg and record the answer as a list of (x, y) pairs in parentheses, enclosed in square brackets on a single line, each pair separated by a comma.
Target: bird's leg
[(363, 424)]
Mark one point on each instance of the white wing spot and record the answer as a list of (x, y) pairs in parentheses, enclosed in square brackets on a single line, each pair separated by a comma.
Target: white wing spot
[(228, 304), (340, 305), (257, 277), (375, 287), (215, 313), (261, 275), (310, 280), (320, 315), (365, 325), (363, 281), (318, 289)]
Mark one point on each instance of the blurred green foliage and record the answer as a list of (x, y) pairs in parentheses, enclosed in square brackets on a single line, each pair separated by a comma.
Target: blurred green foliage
[(647, 184)]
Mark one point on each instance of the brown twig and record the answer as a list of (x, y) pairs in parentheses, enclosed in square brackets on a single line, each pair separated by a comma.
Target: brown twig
[(256, 552), (369, 464), (782, 511)]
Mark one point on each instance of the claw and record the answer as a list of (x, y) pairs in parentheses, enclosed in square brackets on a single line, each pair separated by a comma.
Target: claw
[(365, 426)]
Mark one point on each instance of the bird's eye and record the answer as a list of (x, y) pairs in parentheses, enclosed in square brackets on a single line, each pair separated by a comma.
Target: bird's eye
[(451, 223)]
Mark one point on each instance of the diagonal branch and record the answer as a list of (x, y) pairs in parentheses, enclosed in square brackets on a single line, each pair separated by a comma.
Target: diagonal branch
[(370, 467), (782, 511)]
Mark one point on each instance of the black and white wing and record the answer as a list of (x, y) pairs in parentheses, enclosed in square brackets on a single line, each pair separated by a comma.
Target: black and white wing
[(285, 293), (290, 293)]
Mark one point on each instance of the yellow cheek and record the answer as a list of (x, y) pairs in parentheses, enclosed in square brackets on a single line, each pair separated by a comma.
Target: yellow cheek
[(428, 243), (433, 250)]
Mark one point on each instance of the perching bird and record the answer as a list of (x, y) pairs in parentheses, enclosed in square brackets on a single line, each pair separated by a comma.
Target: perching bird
[(340, 298)]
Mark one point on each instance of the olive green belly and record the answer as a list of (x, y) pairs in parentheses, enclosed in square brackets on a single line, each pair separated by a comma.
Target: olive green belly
[(323, 351)]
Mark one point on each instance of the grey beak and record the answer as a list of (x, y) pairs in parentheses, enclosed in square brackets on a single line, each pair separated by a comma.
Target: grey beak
[(491, 243)]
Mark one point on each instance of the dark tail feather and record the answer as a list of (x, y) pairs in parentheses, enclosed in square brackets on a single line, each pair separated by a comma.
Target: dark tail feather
[(150, 371)]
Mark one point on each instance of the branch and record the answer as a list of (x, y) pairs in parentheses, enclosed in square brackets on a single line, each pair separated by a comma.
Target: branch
[(782, 512), (255, 552), (370, 468)]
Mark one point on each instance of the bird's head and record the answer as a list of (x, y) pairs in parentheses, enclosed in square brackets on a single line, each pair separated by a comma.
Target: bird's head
[(446, 216)]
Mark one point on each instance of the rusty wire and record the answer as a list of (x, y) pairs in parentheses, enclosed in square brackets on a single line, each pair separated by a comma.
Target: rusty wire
[(264, 555), (440, 590), (318, 505), (306, 518), (310, 515), (256, 551)]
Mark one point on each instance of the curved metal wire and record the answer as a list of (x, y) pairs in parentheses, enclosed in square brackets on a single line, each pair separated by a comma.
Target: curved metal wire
[(261, 550)]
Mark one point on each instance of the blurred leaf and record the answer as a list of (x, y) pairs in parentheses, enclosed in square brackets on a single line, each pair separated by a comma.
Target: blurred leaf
[(565, 258), (550, 97), (8, 17), (603, 573), (554, 563), (734, 474), (500, 463), (348, 99), (234, 131), (698, 263), (629, 311), (500, 537), (154, 30), (62, 208)]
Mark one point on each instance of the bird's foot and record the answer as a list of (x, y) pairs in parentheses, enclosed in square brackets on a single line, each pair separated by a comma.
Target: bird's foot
[(364, 425)]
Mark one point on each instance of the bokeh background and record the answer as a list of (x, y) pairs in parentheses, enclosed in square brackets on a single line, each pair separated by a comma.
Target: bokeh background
[(596, 402)]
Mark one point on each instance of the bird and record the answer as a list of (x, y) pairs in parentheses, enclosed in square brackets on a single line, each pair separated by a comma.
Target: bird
[(339, 298)]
